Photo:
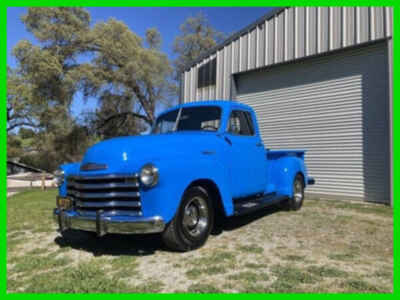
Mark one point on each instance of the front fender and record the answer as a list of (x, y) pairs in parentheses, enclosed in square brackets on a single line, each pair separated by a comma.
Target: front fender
[(72, 168), (175, 176)]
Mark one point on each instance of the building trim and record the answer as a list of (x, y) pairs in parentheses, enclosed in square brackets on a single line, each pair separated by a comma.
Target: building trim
[(390, 67), (272, 13)]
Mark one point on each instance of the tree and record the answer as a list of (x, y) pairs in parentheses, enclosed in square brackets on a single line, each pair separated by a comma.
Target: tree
[(127, 77), (26, 133), (197, 37), (62, 33), (20, 105)]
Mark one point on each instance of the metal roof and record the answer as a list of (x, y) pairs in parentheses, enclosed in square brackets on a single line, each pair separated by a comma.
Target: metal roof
[(233, 37)]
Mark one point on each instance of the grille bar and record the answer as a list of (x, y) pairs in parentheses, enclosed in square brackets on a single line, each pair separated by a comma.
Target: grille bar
[(103, 177), (136, 204), (109, 193), (93, 186), (105, 195)]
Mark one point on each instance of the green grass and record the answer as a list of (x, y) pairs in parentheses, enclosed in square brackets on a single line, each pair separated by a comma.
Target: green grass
[(342, 256), (247, 276), (31, 210), (360, 286), (203, 288), (294, 257), (211, 270), (219, 257), (255, 266), (290, 278), (86, 278), (41, 263), (360, 207), (251, 249), (325, 271), (30, 263)]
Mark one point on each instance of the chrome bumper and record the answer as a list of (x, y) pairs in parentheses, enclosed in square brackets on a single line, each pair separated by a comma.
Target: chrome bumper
[(102, 223)]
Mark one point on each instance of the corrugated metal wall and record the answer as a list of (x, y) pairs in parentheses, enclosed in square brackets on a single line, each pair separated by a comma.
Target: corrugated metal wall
[(294, 32), (336, 107)]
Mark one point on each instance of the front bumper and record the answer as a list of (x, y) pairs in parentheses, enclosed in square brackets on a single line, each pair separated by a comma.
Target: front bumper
[(103, 224)]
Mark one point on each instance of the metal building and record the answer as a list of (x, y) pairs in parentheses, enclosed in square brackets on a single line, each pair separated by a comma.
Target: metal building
[(320, 79)]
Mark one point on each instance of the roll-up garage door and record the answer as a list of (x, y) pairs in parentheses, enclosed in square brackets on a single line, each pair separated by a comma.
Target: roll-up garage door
[(337, 108)]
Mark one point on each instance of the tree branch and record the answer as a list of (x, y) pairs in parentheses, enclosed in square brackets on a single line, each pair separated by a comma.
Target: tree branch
[(22, 123), (124, 114)]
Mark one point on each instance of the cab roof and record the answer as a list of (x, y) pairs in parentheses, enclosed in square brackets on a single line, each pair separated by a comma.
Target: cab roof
[(224, 104)]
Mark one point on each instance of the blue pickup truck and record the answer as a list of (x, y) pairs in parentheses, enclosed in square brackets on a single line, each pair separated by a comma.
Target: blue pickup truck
[(202, 161)]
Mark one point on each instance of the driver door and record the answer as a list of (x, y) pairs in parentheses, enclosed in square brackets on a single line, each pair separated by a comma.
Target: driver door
[(245, 155)]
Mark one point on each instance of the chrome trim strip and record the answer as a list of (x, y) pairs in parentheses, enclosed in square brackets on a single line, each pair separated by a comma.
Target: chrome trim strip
[(93, 186), (103, 195), (108, 204)]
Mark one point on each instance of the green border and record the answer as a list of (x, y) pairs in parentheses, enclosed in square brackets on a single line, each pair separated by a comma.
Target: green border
[(3, 23)]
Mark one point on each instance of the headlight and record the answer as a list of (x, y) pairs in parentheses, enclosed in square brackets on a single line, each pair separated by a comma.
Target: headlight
[(59, 176), (149, 175)]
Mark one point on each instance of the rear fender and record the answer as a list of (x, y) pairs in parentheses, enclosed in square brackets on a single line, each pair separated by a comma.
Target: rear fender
[(283, 172)]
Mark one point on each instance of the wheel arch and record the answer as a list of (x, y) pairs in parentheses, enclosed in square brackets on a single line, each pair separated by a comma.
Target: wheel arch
[(211, 187)]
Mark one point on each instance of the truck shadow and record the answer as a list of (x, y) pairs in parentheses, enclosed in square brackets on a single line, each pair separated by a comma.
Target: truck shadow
[(114, 244), (146, 244), (233, 223)]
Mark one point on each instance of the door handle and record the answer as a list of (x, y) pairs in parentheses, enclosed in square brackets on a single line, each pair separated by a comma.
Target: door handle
[(228, 140)]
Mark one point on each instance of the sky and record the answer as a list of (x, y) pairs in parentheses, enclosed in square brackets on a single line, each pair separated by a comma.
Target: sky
[(166, 19)]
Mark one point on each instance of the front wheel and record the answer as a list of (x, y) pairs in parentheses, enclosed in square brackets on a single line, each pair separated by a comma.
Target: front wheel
[(191, 226), (296, 201)]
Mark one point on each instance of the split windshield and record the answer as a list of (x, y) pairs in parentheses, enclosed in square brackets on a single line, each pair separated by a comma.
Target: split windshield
[(203, 118)]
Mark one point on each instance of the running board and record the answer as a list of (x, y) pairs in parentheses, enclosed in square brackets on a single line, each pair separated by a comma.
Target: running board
[(249, 205)]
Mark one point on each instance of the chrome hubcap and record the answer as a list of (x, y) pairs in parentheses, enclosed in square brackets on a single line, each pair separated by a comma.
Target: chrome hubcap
[(298, 191), (195, 216)]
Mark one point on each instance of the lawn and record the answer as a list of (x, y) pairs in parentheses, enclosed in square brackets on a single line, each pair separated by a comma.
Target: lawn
[(327, 246)]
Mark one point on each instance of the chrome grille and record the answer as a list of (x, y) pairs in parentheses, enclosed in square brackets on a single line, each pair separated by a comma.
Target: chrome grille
[(109, 193)]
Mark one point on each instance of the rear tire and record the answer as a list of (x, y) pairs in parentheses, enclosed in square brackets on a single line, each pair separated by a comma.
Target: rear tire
[(296, 201), (192, 224)]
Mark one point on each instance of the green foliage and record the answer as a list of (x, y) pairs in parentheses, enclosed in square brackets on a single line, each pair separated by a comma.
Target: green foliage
[(127, 75), (197, 37)]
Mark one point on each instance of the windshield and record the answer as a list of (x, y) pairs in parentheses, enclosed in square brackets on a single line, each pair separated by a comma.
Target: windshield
[(205, 118)]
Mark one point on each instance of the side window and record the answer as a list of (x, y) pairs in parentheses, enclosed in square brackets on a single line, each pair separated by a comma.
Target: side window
[(249, 122), (240, 123)]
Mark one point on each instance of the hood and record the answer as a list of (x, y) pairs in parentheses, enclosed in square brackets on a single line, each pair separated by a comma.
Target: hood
[(124, 153)]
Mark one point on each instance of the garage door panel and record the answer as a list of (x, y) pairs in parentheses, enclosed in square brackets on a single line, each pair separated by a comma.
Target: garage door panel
[(335, 107)]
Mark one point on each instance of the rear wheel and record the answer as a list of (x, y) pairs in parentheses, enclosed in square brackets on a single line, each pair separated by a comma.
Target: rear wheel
[(296, 201), (192, 223)]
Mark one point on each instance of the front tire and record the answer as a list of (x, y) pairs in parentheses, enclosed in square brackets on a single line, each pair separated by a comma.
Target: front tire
[(192, 224)]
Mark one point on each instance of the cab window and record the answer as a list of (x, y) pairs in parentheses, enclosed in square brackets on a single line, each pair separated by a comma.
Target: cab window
[(240, 123)]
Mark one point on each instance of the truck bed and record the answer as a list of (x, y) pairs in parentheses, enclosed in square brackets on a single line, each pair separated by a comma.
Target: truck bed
[(275, 154)]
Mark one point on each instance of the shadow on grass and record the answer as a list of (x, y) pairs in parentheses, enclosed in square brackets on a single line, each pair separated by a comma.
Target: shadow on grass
[(111, 244), (233, 223), (145, 244)]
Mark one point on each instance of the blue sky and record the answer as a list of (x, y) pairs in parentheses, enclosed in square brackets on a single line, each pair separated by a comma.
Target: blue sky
[(165, 19)]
